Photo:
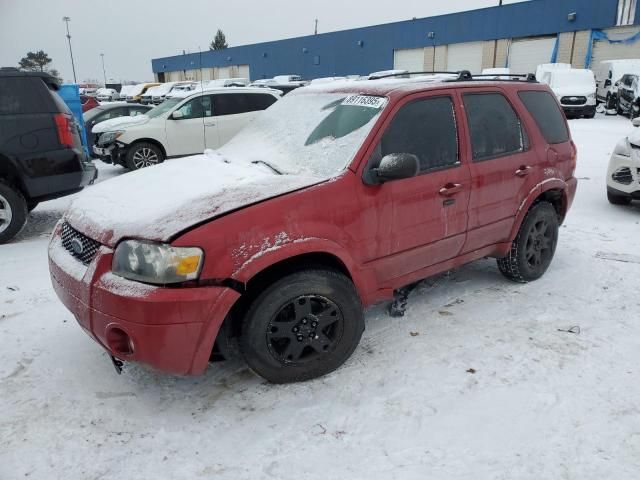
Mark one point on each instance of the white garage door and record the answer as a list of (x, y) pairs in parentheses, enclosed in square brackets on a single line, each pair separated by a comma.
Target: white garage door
[(465, 56), (525, 55), (411, 59), (244, 72), (603, 50)]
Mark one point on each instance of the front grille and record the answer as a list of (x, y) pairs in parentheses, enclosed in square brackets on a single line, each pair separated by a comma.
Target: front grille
[(573, 100), (78, 245), (623, 176)]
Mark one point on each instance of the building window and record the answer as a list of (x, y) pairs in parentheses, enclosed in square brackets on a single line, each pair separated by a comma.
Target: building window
[(626, 12)]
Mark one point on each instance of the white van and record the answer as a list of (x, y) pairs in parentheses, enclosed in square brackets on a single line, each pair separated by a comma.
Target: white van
[(575, 89), (608, 75)]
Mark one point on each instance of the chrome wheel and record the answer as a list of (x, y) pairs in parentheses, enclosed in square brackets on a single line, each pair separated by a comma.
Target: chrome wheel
[(145, 157), (5, 214)]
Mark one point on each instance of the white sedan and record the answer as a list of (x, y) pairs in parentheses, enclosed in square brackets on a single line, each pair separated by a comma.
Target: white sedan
[(623, 176)]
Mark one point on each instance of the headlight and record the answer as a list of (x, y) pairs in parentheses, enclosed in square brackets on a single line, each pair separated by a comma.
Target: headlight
[(156, 263), (623, 148), (110, 137)]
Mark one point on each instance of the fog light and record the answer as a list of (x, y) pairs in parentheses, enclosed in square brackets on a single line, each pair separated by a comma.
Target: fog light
[(119, 342)]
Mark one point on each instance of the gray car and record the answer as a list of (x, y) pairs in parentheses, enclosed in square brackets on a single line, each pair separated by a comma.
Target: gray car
[(107, 112)]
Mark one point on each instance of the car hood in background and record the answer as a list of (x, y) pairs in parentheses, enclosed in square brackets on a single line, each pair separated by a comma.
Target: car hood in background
[(120, 123), (575, 91), (157, 203)]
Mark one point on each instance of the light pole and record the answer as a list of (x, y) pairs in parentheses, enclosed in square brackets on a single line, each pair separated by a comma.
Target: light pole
[(103, 70), (67, 20)]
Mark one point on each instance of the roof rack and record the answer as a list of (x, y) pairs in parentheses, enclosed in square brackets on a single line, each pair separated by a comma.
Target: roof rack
[(467, 76)]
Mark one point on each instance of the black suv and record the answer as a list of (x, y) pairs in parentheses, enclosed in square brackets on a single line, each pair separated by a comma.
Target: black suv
[(629, 96), (41, 154)]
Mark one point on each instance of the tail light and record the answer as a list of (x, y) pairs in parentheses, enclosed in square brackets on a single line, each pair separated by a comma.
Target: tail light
[(574, 158), (64, 125)]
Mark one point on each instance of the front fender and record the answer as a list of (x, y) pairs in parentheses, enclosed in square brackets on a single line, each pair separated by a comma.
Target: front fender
[(281, 249)]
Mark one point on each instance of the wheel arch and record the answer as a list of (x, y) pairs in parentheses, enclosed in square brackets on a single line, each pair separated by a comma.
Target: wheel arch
[(152, 141), (9, 174), (554, 191)]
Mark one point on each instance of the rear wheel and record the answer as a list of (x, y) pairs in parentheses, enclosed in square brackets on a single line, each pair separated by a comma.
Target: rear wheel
[(618, 199), (534, 247), (13, 212), (142, 155), (303, 326)]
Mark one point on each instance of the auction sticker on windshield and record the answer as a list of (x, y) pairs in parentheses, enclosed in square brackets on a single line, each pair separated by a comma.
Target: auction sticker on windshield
[(365, 101)]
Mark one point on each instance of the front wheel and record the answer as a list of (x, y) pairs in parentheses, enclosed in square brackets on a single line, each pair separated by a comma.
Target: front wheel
[(303, 326), (142, 155), (534, 247)]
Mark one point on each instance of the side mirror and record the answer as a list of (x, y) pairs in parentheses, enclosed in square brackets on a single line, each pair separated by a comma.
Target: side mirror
[(607, 83), (177, 115), (636, 122), (397, 166)]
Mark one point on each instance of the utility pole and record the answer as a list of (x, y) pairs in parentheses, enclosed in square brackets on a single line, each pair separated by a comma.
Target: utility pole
[(103, 70), (316, 31), (67, 20)]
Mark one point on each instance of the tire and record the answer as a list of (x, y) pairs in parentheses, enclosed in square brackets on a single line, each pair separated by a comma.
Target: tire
[(590, 115), (142, 155), (31, 205), (302, 326), (13, 212), (609, 104), (618, 199), (534, 247)]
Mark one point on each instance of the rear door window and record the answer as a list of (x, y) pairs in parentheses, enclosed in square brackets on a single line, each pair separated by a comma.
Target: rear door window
[(22, 95), (259, 101), (426, 129), (495, 128), (546, 113)]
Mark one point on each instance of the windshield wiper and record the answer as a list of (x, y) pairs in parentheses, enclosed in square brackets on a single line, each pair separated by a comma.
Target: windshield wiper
[(256, 162)]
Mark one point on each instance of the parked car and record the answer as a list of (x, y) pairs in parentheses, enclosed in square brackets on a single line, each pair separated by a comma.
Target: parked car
[(180, 126), (623, 174), (179, 90), (159, 93), (108, 112), (125, 90), (88, 103), (136, 93), (228, 82), (107, 95), (608, 75), (575, 89), (629, 96), (327, 203), (41, 153)]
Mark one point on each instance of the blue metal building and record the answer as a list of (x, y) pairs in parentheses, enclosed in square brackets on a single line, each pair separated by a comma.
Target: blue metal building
[(363, 50)]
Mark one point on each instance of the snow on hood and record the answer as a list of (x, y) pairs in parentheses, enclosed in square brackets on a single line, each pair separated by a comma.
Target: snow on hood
[(120, 123), (157, 203)]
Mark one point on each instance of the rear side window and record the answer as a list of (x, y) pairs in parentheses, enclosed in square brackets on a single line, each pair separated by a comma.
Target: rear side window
[(21, 95), (495, 128), (427, 129), (235, 103), (545, 111)]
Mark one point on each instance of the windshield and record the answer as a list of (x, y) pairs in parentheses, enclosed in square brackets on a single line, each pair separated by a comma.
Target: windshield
[(164, 107), (573, 78), (308, 134), (136, 90)]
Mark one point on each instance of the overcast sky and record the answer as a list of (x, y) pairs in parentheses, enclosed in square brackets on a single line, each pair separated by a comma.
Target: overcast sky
[(132, 32)]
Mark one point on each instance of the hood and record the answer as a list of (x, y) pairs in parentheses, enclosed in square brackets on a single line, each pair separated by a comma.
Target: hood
[(120, 123), (159, 202), (634, 137)]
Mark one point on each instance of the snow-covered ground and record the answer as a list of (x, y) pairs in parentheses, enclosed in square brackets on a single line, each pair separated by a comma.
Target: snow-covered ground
[(476, 382)]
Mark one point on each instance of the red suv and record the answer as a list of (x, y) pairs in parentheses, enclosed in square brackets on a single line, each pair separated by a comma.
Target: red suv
[(329, 202)]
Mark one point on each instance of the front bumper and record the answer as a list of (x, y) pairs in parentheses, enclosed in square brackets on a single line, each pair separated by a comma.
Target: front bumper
[(170, 329), (579, 110), (623, 174)]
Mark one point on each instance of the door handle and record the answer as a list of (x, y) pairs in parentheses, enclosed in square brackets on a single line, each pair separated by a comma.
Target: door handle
[(209, 124), (523, 171), (450, 189)]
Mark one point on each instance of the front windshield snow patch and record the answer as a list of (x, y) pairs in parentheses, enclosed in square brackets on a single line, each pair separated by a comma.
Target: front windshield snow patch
[(308, 134)]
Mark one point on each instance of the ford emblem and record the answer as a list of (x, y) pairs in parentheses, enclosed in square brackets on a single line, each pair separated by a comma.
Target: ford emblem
[(77, 247)]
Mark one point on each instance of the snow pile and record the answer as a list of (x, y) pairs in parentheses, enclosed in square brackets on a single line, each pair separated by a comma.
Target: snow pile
[(158, 202)]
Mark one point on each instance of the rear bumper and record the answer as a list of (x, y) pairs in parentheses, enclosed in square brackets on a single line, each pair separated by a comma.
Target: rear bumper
[(170, 329), (634, 195)]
